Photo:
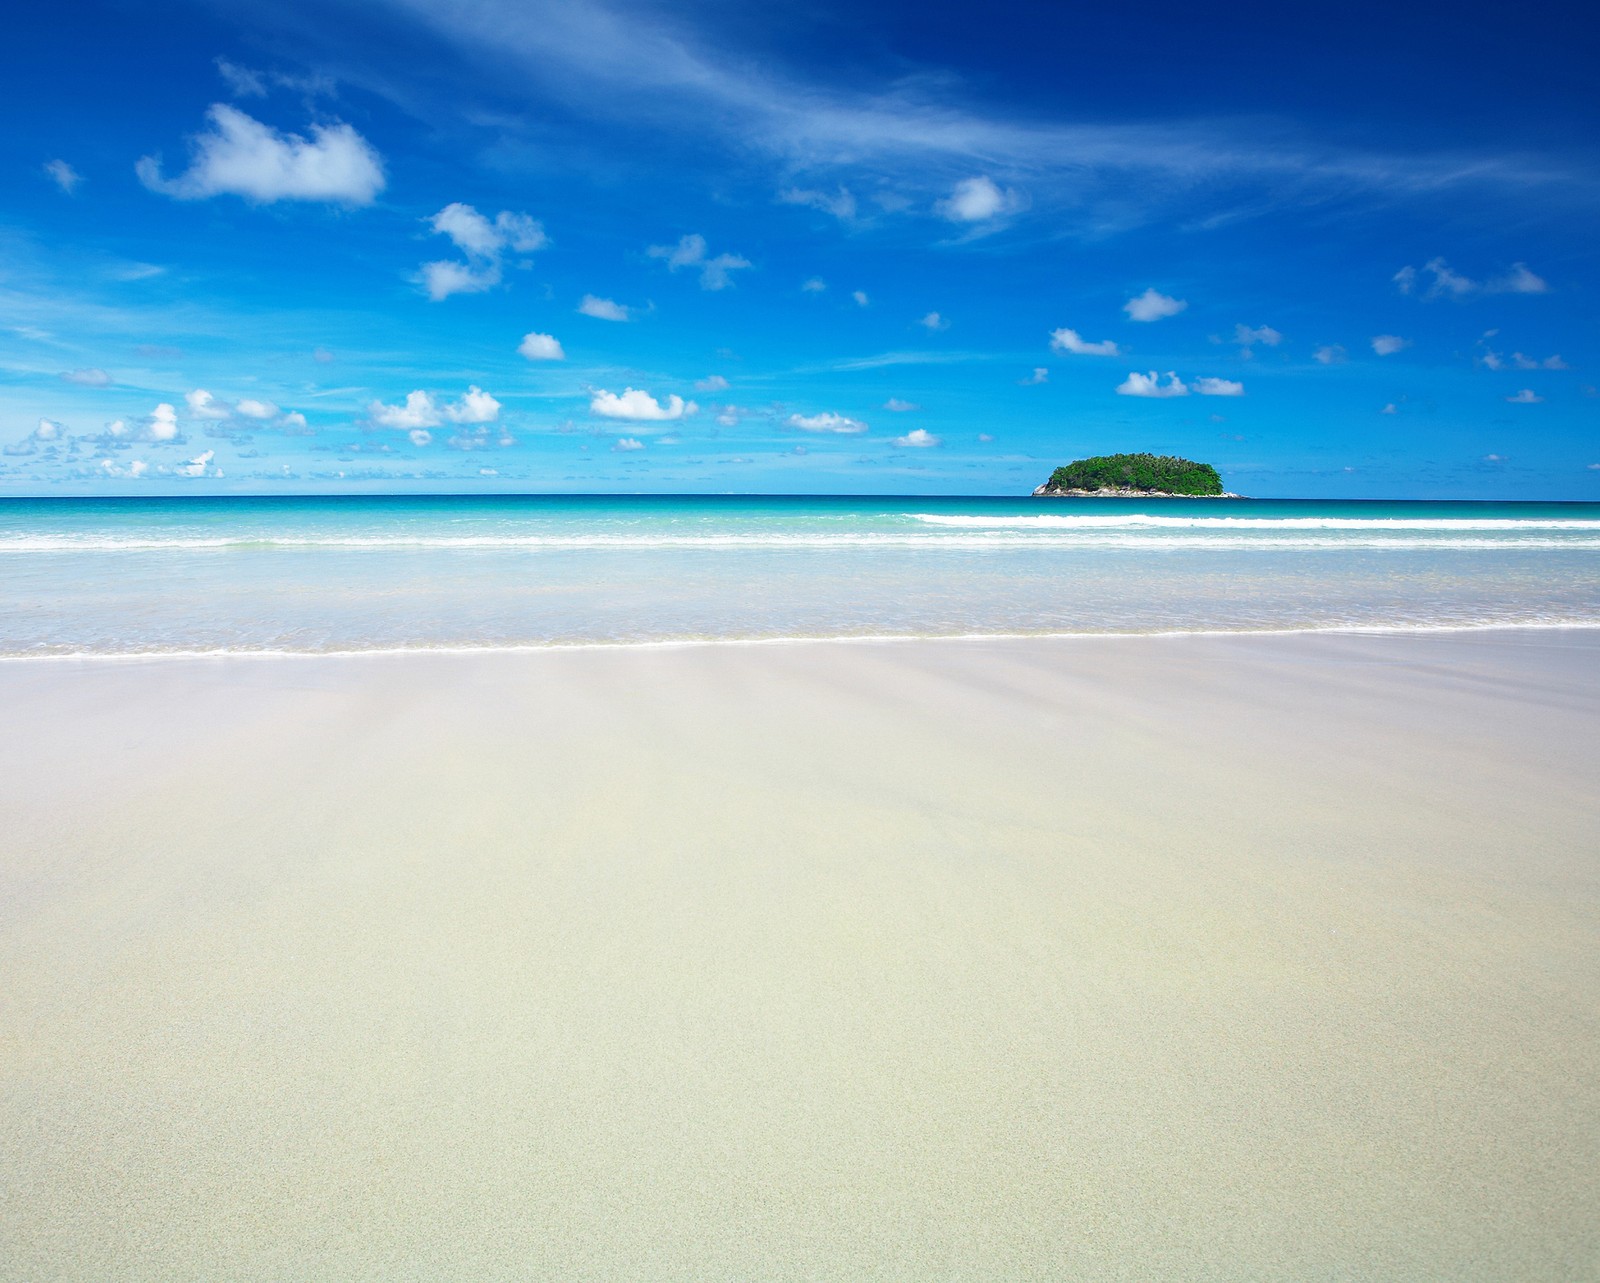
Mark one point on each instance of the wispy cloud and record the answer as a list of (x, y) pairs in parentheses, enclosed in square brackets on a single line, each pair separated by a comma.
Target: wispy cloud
[(691, 251), (1438, 279)]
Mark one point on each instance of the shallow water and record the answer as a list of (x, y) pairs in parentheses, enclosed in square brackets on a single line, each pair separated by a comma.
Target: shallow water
[(325, 574)]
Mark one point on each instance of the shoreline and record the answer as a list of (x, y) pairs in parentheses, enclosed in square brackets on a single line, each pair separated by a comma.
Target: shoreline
[(884, 639)]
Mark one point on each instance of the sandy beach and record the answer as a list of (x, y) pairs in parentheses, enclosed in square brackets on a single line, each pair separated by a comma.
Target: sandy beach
[(1230, 958)]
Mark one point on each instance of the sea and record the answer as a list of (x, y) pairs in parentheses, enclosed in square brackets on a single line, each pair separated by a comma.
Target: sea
[(149, 576)]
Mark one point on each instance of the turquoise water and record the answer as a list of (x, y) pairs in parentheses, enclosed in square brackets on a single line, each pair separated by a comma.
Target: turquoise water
[(119, 576)]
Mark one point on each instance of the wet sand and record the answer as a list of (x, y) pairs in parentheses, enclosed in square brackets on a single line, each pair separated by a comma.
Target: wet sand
[(1148, 958)]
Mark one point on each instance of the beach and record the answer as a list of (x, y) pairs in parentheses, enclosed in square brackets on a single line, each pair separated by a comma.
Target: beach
[(1144, 957)]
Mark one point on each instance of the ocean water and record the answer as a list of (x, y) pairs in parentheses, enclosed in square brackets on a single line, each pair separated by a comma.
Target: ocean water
[(135, 576)]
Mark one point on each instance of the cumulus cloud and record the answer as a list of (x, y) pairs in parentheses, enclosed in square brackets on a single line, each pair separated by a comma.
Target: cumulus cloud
[(1218, 387), (1072, 342), (639, 406), (626, 444), (1525, 397), (1153, 306), (161, 424), (860, 296), (895, 404), (238, 155), (134, 468), (420, 436), (199, 466), (1150, 385), (1040, 375), (1389, 344), (841, 204), (202, 405), (934, 322), (94, 378), (712, 383), (917, 439), (976, 200), (541, 347), (476, 406), (1438, 279), (603, 309), (63, 175), (690, 251), (484, 241), (253, 409), (419, 411), (814, 286), (1331, 354), (827, 422)]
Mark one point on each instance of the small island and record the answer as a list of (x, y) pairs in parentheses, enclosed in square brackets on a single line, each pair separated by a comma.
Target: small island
[(1135, 476)]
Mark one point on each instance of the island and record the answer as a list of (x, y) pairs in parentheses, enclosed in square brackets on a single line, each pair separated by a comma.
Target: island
[(1135, 476)]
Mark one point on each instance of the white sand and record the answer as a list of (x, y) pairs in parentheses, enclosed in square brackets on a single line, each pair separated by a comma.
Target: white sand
[(1191, 958)]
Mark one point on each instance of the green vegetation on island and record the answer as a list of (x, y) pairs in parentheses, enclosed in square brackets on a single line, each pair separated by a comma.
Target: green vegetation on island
[(1135, 474)]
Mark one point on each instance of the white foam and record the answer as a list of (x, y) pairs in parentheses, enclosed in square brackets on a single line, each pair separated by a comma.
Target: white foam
[(1122, 521)]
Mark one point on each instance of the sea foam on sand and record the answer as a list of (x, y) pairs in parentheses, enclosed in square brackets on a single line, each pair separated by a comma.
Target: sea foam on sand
[(1141, 958)]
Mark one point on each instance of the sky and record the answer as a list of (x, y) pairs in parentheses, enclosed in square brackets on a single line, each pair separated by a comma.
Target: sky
[(832, 247)]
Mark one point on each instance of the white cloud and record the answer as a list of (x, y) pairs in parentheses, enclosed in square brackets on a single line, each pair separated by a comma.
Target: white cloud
[(814, 286), (603, 309), (711, 383), (476, 406), (238, 155), (638, 405), (63, 175), (1445, 282), (1040, 375), (1247, 338), (199, 466), (444, 277), (728, 416), (861, 298), (1150, 385), (829, 422), (1389, 409), (976, 200), (985, 436), (1153, 306), (1218, 387), (479, 237), (1533, 363), (484, 242), (1331, 354), (294, 419), (1519, 280), (841, 204), (242, 82), (1525, 397), (135, 468), (253, 409), (627, 444), (933, 321), (87, 378), (541, 347), (202, 405), (420, 410), (162, 423), (1389, 344), (895, 404), (690, 251), (1071, 341), (420, 436), (917, 439)]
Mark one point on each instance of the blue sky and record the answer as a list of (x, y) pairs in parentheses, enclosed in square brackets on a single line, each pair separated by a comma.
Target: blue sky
[(402, 245)]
